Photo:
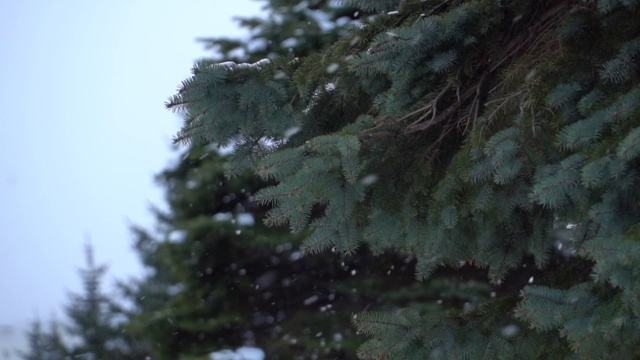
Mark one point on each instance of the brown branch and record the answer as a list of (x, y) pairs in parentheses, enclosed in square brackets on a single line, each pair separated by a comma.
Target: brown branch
[(532, 36), (431, 108), (450, 110)]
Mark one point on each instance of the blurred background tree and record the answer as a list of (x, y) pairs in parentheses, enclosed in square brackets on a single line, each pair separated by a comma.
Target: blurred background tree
[(94, 329), (45, 345)]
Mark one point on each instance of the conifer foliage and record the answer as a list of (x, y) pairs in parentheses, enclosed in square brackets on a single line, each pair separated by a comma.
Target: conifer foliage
[(464, 133)]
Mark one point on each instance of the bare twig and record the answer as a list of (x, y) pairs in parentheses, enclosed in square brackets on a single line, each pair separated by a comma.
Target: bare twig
[(449, 111)]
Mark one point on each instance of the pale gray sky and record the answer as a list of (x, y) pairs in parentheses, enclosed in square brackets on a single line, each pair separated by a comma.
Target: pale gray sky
[(83, 130)]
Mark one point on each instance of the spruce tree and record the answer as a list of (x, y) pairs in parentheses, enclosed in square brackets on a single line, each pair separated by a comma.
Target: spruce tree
[(96, 328), (57, 347), (497, 136), (96, 321), (45, 345), (87, 312), (37, 342)]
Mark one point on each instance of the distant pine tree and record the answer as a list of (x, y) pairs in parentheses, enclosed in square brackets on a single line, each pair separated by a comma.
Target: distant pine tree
[(89, 313), (45, 345), (497, 136), (95, 330)]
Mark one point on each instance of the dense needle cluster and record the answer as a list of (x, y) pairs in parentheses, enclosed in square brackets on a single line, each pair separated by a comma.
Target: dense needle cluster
[(477, 133)]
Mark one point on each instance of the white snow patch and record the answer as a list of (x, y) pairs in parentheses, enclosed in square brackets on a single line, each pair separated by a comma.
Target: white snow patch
[(257, 44), (245, 219), (369, 179), (192, 184), (333, 68), (295, 256), (289, 43), (232, 65), (292, 131), (510, 330), (280, 75), (175, 289), (227, 64), (301, 6), (242, 353), (322, 18), (177, 236), (226, 216), (311, 300)]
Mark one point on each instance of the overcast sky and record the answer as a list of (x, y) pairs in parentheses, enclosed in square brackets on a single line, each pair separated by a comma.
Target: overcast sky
[(83, 131)]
